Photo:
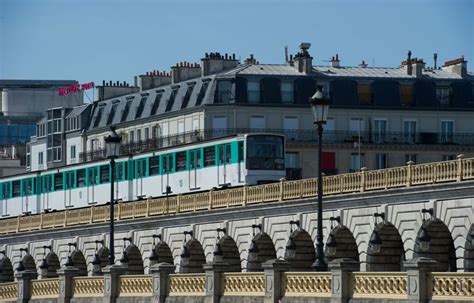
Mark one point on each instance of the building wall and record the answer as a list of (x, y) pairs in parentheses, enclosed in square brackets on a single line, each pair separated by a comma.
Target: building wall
[(35, 150), (73, 141)]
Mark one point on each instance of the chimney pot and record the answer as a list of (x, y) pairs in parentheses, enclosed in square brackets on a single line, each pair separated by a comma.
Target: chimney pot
[(103, 82), (233, 56), (337, 57)]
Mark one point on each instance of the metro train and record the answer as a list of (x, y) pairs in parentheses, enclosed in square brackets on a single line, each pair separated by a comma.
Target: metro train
[(229, 161)]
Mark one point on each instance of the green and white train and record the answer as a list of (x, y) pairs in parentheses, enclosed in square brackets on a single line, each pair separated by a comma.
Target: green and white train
[(230, 161)]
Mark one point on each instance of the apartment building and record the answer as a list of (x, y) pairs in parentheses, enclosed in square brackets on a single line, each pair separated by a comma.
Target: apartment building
[(378, 117)]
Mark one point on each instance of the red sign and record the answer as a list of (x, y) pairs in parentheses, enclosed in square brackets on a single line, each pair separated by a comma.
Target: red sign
[(75, 88)]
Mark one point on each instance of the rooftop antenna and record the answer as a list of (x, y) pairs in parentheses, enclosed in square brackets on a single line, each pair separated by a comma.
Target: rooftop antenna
[(286, 53)]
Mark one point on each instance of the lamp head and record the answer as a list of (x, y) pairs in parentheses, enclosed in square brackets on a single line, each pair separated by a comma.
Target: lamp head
[(319, 107), (375, 242)]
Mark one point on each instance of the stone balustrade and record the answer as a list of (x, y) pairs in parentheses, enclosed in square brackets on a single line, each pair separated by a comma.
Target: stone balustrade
[(384, 179), (341, 284)]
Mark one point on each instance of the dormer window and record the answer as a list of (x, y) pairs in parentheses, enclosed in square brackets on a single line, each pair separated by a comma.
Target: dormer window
[(156, 103), (443, 94), (253, 91), (99, 115), (140, 107), (125, 110), (224, 91), (169, 104), (286, 92), (202, 93), (187, 96), (111, 116)]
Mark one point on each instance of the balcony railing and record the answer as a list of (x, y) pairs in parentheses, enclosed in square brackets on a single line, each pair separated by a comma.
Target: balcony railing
[(297, 136)]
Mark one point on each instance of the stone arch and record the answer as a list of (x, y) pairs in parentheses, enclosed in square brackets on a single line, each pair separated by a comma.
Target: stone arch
[(196, 258), (266, 251), (6, 270), (441, 247), (305, 253), (29, 262), (346, 246), (79, 262), (53, 265), (469, 251), (230, 253), (135, 261), (163, 251), (391, 254)]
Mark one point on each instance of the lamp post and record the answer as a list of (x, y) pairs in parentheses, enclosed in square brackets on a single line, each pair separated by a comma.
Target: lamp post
[(319, 108), (112, 147)]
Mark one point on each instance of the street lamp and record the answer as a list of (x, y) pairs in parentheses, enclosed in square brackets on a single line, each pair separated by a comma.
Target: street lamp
[(112, 147), (319, 108)]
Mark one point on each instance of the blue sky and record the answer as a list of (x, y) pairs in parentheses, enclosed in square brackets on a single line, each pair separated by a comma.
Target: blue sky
[(92, 40)]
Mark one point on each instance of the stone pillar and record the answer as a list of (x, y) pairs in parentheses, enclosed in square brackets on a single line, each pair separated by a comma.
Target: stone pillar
[(418, 284), (214, 281), (273, 271), (24, 285), (341, 275), (66, 275), (160, 276), (112, 275)]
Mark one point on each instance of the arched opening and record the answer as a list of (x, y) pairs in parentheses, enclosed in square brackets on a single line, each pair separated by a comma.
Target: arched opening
[(264, 251), (302, 254), (192, 257), (163, 252), (6, 270), (53, 265), (132, 260), (344, 243), (469, 251), (79, 262), (391, 254), (230, 253), (441, 245)]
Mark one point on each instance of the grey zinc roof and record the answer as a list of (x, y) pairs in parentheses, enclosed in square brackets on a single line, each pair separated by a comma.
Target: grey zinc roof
[(77, 110), (270, 69), (380, 72)]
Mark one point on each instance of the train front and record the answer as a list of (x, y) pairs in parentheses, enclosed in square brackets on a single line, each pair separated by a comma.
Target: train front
[(265, 158)]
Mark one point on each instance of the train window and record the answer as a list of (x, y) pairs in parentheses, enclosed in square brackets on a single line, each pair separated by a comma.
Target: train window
[(209, 156), (195, 159), (58, 181), (92, 174), (224, 153), (140, 168), (47, 183), (265, 152), (27, 188), (167, 163), (104, 173), (154, 166), (70, 180), (16, 185), (6, 190), (181, 161), (121, 171), (81, 177)]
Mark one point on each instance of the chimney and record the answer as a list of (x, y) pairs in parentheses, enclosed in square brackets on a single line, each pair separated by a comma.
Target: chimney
[(184, 71), (363, 64), (114, 89), (408, 64), (250, 60), (152, 79), (457, 66), (302, 60), (335, 61), (213, 63), (435, 59), (418, 66)]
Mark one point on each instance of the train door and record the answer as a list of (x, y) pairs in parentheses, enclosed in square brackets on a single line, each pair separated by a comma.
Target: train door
[(167, 168), (47, 188), (194, 168), (241, 162), (92, 180), (224, 161), (140, 173), (69, 187)]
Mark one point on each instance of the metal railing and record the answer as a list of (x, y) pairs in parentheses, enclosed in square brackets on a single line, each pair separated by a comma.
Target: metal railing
[(297, 136), (397, 177)]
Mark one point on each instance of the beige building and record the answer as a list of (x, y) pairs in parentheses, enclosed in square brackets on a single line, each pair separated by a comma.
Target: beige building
[(379, 117)]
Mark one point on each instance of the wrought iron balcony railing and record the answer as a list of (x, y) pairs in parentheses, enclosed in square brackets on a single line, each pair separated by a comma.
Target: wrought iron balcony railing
[(301, 136)]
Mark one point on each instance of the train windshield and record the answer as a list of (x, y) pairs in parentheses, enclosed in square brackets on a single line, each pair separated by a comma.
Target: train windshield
[(265, 152)]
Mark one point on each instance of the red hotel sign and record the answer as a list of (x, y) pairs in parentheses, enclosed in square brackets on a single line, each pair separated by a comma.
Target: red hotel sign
[(75, 88)]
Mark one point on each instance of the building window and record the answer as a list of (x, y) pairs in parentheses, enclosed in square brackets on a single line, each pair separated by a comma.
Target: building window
[(224, 91), (139, 135), (286, 92), (381, 161), (406, 94), (99, 115), (187, 96), (111, 116), (380, 130), (292, 160), (443, 94), (125, 110), (156, 104), (290, 126), (409, 132), (73, 152), (410, 157), (169, 104), (40, 158), (131, 136), (357, 162), (365, 93), (202, 93), (147, 133), (253, 91), (447, 132)]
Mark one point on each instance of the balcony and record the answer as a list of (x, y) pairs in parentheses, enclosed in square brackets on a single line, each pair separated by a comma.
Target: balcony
[(296, 136)]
